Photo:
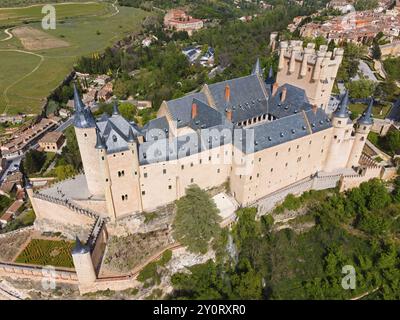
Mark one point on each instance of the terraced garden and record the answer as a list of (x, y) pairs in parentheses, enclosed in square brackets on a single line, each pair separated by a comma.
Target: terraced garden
[(47, 252)]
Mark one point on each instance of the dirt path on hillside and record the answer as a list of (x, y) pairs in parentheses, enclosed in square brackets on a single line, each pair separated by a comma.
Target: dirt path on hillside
[(22, 78)]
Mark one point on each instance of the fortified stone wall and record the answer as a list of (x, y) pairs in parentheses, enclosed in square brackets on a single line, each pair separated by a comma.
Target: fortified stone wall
[(54, 217), (35, 273)]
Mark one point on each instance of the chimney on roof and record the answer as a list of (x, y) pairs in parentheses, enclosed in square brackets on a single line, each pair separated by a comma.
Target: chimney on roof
[(194, 110), (283, 94), (229, 114), (314, 108), (274, 88), (227, 93)]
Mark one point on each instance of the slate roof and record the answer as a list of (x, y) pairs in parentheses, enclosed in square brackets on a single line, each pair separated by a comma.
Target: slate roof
[(83, 118), (248, 97), (207, 117), (366, 117), (156, 128), (294, 102), (115, 132), (180, 109), (394, 113), (185, 145)]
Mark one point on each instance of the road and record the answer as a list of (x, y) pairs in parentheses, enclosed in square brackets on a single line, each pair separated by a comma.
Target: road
[(366, 71), (12, 165), (65, 125), (14, 162)]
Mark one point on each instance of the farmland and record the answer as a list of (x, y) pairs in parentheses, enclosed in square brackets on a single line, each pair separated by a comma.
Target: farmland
[(29, 70), (47, 252)]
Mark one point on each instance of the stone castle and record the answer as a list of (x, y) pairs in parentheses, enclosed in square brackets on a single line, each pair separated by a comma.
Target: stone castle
[(255, 133)]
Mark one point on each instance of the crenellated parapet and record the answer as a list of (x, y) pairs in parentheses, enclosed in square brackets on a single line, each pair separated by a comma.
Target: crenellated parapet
[(309, 68)]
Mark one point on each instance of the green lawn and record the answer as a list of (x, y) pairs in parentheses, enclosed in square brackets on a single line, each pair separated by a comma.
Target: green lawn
[(47, 252), (25, 80), (378, 112)]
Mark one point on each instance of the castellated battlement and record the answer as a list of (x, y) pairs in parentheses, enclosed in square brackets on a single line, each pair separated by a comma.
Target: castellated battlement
[(308, 68), (294, 51)]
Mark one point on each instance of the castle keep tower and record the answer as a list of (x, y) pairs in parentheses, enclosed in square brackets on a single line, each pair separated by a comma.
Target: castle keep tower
[(363, 127), (83, 263), (314, 71), (85, 130)]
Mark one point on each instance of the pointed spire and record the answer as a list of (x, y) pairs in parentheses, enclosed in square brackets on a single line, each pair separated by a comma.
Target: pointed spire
[(342, 110), (131, 135), (257, 68), (271, 72), (115, 109), (78, 104), (100, 144), (28, 184), (79, 247), (366, 117), (270, 80), (83, 117)]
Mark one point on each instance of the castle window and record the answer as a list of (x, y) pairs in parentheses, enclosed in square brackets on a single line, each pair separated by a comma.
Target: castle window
[(365, 128), (119, 173), (123, 198), (182, 167), (276, 154), (322, 151), (135, 173), (102, 158), (169, 187), (258, 175), (259, 159), (107, 180), (164, 171), (191, 180), (145, 174), (339, 122), (289, 149), (298, 159), (334, 137), (126, 197), (272, 169), (85, 135), (362, 139), (286, 164), (310, 142), (298, 146), (122, 173), (191, 164), (218, 170), (143, 193), (200, 161)]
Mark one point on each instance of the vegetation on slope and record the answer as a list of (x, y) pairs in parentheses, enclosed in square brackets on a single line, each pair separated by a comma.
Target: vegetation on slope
[(358, 228)]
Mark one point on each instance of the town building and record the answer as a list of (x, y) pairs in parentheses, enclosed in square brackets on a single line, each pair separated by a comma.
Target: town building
[(22, 139), (356, 27), (52, 141), (179, 20)]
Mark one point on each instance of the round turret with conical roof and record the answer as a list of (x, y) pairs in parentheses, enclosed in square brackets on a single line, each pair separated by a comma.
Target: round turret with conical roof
[(83, 263)]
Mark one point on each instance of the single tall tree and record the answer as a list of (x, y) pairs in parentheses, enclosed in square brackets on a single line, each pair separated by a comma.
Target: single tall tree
[(197, 220)]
